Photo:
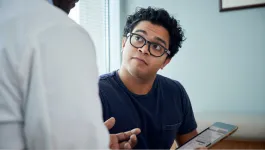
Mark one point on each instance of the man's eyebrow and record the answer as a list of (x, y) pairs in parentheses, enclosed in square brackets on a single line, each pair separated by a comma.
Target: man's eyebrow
[(161, 40), (157, 38), (142, 31)]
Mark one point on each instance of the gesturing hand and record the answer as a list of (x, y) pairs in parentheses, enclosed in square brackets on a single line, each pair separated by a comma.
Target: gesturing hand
[(123, 140)]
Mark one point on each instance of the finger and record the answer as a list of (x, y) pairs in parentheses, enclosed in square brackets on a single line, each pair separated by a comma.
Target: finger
[(123, 136), (114, 147), (136, 131), (130, 144), (125, 145), (113, 142), (110, 123), (126, 135), (133, 140)]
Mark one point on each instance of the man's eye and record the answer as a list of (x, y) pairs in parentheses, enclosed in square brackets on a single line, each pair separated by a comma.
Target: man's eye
[(156, 47), (138, 38)]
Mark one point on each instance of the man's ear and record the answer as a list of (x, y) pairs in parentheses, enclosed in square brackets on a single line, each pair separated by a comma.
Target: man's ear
[(166, 62), (123, 42)]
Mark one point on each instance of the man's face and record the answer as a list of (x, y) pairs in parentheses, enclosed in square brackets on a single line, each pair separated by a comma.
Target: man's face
[(65, 5), (138, 61)]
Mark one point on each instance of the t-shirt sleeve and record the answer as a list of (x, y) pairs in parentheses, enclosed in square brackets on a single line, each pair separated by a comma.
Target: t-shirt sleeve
[(189, 123)]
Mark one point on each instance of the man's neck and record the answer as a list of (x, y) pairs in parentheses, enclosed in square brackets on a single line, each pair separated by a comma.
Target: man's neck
[(135, 84)]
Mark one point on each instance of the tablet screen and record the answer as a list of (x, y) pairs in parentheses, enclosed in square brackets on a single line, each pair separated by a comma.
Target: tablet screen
[(205, 138)]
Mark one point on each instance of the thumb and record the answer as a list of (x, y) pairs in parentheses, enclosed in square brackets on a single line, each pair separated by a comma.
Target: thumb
[(110, 123)]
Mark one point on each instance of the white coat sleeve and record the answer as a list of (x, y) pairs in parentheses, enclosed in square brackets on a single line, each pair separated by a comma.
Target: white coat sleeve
[(62, 109)]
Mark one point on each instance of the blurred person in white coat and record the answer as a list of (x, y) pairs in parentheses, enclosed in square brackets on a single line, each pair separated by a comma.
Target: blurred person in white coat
[(49, 81)]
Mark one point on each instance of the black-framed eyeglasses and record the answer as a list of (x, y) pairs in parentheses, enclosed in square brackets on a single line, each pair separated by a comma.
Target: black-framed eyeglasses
[(154, 49)]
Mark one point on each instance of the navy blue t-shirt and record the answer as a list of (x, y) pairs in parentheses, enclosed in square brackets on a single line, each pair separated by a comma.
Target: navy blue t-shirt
[(161, 114)]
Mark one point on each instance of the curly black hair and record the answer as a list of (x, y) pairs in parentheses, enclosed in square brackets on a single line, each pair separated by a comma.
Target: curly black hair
[(160, 17)]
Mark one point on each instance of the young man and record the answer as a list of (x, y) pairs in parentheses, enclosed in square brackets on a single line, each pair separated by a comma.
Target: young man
[(136, 95), (49, 81)]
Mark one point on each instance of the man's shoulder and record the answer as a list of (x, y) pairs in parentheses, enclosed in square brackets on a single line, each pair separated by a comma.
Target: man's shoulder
[(107, 81), (168, 82), (109, 87), (106, 76), (171, 87)]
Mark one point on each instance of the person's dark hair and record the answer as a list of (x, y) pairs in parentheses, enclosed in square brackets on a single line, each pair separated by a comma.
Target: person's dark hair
[(160, 17)]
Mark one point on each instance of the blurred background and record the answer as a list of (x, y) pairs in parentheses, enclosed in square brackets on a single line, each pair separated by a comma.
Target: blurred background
[(221, 63)]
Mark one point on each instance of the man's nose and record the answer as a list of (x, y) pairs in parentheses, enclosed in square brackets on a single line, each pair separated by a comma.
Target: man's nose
[(144, 49)]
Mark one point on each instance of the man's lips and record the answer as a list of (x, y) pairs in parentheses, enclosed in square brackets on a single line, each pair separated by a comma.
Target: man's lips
[(139, 59)]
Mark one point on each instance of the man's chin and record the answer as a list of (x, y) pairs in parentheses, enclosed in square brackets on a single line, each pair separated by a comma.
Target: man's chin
[(139, 72)]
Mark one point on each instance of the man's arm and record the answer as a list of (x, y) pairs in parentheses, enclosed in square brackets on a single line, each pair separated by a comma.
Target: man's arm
[(62, 108), (188, 126), (181, 139)]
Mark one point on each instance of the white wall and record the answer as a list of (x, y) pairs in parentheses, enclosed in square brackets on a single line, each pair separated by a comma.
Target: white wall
[(222, 62)]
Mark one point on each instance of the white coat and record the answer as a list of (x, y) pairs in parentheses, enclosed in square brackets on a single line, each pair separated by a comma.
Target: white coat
[(48, 80)]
